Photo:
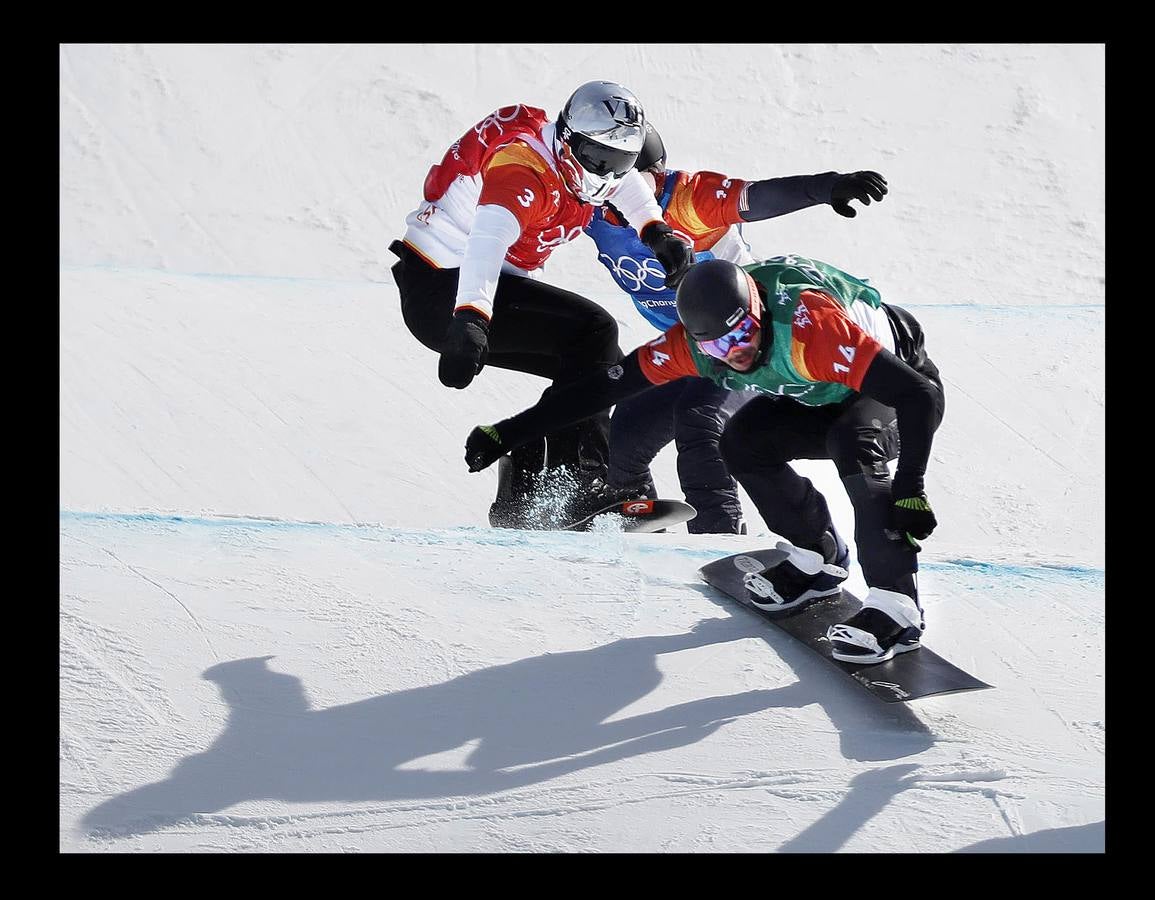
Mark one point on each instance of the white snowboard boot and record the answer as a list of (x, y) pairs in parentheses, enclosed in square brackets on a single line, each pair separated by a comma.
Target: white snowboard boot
[(888, 623), (800, 579)]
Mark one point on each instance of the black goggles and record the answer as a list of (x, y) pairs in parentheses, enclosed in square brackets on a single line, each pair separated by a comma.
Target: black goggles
[(598, 159)]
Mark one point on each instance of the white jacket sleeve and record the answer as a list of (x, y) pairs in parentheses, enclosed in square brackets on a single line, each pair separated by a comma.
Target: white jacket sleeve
[(494, 231), (634, 198)]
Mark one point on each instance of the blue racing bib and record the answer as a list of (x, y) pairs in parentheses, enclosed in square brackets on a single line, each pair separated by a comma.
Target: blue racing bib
[(633, 266)]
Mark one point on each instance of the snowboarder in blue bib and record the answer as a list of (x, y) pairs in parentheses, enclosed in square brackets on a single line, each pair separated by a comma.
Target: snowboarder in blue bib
[(708, 209)]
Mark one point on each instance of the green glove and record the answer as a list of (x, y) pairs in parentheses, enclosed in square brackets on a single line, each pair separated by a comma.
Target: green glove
[(914, 519), (483, 448)]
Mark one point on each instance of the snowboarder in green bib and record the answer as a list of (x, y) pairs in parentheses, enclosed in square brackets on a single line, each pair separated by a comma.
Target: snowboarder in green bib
[(840, 375)]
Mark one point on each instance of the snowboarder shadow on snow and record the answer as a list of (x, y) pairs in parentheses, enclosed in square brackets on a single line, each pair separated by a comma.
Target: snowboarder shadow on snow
[(525, 722), (869, 793), (868, 729)]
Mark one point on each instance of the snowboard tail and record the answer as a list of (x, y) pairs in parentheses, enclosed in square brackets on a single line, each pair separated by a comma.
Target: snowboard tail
[(640, 516), (630, 516), (906, 676)]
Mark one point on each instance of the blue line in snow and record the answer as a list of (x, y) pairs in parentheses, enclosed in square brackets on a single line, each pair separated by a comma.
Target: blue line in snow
[(1042, 569), (503, 537)]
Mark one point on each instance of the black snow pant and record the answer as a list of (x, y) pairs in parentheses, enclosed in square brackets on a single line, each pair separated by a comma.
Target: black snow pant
[(693, 413), (861, 436), (537, 328)]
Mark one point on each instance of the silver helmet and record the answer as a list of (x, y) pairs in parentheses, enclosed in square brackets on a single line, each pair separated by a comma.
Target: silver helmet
[(600, 132)]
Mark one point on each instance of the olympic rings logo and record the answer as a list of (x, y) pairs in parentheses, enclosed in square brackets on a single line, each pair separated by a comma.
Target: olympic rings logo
[(497, 119), (563, 237), (635, 275)]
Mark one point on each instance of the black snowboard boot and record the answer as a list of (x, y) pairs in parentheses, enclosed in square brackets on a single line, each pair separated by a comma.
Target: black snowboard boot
[(517, 475)]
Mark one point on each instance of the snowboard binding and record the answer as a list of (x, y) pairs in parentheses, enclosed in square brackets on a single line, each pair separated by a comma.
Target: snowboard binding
[(795, 582)]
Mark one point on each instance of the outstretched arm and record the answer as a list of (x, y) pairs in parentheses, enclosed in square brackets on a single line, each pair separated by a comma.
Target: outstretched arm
[(779, 196), (707, 200)]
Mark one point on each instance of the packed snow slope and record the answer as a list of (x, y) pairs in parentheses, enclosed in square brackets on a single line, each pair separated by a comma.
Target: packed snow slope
[(285, 625)]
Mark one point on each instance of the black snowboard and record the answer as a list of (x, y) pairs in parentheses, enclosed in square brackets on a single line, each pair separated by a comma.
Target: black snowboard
[(637, 516), (907, 676)]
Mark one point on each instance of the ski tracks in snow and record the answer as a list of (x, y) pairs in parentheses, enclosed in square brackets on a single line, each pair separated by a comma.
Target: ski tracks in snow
[(818, 801)]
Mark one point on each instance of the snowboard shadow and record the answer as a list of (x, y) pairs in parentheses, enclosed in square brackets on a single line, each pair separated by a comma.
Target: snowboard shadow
[(869, 729), (506, 727)]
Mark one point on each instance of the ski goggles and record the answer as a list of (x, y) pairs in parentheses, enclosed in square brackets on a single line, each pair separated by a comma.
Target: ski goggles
[(590, 186), (741, 336), (600, 159)]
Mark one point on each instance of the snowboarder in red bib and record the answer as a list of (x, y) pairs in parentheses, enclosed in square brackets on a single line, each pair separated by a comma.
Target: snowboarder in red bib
[(839, 375), (509, 192)]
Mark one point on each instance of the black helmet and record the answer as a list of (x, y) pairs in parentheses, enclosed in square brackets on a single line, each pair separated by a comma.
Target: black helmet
[(714, 297), (653, 153)]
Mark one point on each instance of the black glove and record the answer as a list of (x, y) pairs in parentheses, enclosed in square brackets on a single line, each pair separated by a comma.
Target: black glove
[(860, 186), (675, 255), (465, 349), (913, 518), (483, 448)]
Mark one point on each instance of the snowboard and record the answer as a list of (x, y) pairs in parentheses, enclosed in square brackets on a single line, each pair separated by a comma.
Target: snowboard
[(906, 676), (640, 516)]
